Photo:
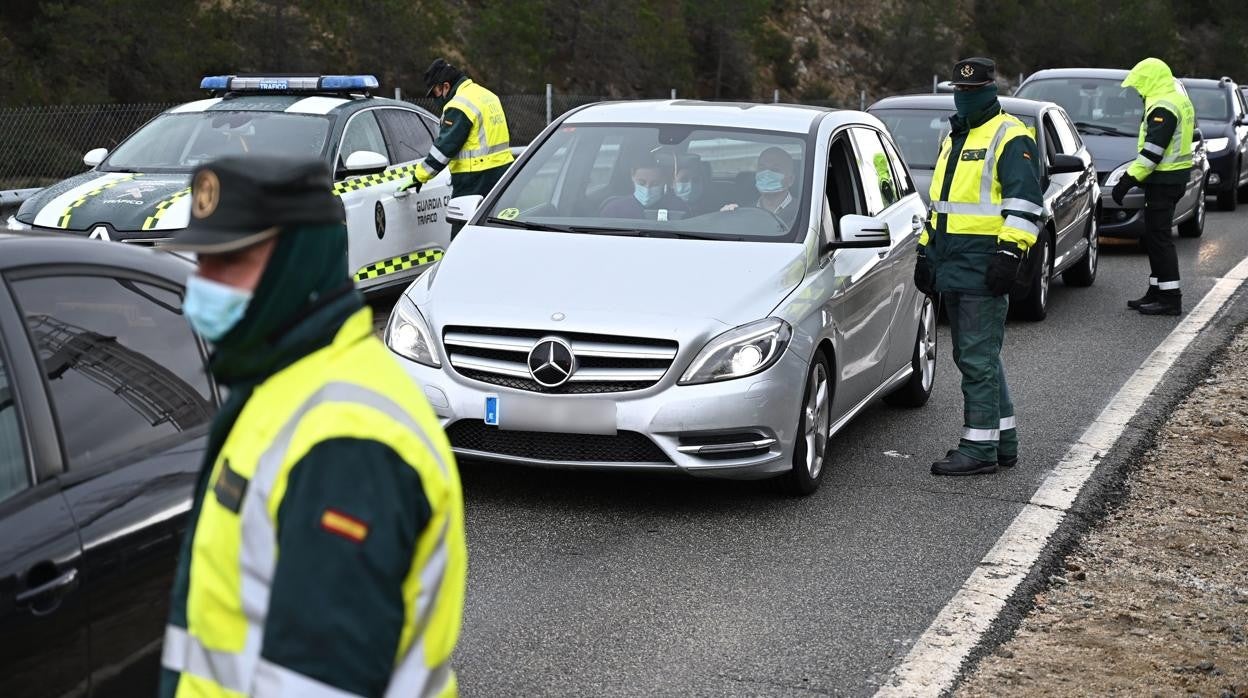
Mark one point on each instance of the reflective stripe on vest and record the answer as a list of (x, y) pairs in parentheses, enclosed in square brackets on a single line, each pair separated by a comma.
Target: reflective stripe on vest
[(220, 651), (489, 142), (972, 212), (1177, 154)]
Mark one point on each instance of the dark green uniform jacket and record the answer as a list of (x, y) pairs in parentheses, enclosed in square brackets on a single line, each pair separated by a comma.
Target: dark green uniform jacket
[(960, 262)]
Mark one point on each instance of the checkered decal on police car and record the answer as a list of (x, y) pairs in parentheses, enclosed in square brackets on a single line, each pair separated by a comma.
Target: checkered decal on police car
[(163, 206), (69, 210), (398, 264), (365, 181)]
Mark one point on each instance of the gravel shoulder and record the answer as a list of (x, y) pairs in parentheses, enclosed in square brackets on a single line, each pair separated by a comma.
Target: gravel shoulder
[(1153, 600)]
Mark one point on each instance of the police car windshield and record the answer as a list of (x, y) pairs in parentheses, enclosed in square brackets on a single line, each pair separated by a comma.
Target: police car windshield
[(919, 132), (661, 180), (179, 142), (1098, 106), (1211, 103)]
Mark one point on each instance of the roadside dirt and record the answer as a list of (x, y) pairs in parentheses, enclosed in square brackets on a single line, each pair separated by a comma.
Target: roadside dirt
[(1154, 599)]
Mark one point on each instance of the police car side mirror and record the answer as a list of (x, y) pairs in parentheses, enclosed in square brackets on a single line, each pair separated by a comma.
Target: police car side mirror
[(859, 232), (94, 156), (461, 209), (365, 162)]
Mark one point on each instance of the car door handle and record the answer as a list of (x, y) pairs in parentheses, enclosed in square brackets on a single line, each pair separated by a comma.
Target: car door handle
[(59, 585)]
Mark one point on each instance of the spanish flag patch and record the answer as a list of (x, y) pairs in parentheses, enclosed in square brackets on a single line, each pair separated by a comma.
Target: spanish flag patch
[(1158, 119), (343, 525), (1026, 155)]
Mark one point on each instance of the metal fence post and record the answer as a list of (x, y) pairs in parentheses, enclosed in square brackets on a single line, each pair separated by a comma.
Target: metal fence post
[(550, 93), (673, 93), (862, 100), (398, 93), (775, 97), (935, 82)]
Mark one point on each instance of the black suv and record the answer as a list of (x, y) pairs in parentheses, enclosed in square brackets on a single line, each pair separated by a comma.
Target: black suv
[(1223, 118)]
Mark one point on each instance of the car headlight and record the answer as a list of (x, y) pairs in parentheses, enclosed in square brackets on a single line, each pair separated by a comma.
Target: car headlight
[(408, 335), (1216, 145), (14, 224), (1115, 176), (740, 352)]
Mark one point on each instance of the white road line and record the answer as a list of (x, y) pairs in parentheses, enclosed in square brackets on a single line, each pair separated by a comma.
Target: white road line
[(932, 665)]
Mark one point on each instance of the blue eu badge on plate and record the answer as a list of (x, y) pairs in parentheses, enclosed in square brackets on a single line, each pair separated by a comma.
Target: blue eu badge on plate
[(491, 410)]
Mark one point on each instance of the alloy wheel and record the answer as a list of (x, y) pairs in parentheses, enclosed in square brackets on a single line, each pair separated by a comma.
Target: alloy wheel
[(927, 344), (817, 420), (1046, 269)]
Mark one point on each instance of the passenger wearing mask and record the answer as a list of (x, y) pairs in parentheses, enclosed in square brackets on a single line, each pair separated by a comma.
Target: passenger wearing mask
[(650, 191), (690, 186)]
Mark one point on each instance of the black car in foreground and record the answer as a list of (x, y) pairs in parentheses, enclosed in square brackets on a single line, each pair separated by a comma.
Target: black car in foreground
[(1107, 116), (105, 400), (1223, 118), (919, 124)]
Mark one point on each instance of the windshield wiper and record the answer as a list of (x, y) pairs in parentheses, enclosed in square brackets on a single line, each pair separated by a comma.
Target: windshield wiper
[(648, 233), (528, 225), (1084, 126)]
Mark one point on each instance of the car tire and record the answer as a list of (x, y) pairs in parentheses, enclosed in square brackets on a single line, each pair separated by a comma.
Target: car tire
[(1035, 305), (1229, 199), (1194, 227), (1083, 274), (810, 450), (916, 391)]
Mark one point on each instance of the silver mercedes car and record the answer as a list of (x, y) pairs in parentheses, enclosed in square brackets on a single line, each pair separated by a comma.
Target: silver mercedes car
[(696, 287)]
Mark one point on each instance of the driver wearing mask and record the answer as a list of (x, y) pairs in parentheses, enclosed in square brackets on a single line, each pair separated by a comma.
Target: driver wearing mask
[(772, 178), (650, 191)]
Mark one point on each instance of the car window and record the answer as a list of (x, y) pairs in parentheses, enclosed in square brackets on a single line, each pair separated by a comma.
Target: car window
[(843, 195), (122, 365), (1097, 106), (1068, 130), (13, 473), (875, 174), (405, 133), (917, 132), (1052, 144), (739, 184), (1211, 103), (362, 133), (179, 142), (1065, 136), (900, 176)]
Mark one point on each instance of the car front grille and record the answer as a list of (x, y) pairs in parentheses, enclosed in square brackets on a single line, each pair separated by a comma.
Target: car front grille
[(624, 447), (605, 363)]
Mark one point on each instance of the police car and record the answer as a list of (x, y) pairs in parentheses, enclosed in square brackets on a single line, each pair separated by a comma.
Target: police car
[(139, 192)]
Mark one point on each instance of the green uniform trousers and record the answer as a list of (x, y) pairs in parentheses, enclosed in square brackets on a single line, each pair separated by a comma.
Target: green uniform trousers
[(977, 324)]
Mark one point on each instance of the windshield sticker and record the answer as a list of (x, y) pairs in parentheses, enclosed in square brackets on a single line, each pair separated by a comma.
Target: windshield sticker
[(508, 214)]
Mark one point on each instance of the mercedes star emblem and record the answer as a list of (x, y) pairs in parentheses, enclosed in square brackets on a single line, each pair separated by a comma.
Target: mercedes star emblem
[(551, 362)]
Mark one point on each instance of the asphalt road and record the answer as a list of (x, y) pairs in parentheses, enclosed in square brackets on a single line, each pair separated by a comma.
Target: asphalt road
[(613, 584)]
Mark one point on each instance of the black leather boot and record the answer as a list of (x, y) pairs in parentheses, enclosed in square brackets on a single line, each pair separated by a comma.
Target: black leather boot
[(958, 463), (1148, 297), (1163, 305)]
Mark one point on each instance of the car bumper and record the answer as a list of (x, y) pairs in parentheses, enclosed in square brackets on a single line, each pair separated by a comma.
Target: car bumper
[(1125, 221), (740, 429), (1221, 176)]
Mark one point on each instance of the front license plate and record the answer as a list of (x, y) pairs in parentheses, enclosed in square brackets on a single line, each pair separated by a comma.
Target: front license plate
[(551, 414)]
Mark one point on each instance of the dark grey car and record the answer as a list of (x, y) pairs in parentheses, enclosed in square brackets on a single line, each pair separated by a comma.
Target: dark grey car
[(1222, 114), (919, 123), (1108, 117)]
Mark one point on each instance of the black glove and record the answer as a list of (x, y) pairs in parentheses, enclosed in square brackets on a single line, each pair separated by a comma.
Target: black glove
[(923, 274), (1004, 268), (1124, 185)]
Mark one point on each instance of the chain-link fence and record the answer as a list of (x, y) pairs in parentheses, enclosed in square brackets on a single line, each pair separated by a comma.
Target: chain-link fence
[(41, 145)]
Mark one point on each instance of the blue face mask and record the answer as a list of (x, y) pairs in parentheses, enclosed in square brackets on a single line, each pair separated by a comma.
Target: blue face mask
[(647, 196), (768, 181), (213, 308), (684, 190)]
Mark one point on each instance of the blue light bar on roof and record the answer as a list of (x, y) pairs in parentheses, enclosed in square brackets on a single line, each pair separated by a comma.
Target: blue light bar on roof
[(279, 83)]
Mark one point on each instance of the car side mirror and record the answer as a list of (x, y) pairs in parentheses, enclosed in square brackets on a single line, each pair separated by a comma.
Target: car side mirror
[(1063, 164), (461, 209), (365, 162), (94, 156), (862, 232)]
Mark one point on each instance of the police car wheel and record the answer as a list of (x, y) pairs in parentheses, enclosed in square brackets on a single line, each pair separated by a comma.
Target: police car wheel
[(814, 421), (916, 391)]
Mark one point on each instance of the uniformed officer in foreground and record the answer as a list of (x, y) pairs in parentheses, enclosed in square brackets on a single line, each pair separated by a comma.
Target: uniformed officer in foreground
[(985, 213), (473, 140), (325, 552), (1162, 167)]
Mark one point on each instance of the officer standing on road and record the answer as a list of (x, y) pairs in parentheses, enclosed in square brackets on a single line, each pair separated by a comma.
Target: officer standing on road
[(986, 206), (473, 140), (325, 550), (1162, 167)]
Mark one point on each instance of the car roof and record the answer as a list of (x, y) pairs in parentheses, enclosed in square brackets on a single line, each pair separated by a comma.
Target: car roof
[(1103, 73), (1013, 105), (27, 249), (333, 105), (1207, 82), (792, 118)]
